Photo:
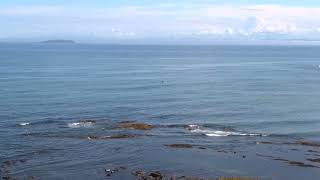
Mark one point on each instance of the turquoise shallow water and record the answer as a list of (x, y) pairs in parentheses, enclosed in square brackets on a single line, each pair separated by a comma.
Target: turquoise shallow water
[(269, 90)]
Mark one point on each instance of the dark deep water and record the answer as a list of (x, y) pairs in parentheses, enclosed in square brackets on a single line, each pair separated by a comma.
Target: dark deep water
[(255, 92)]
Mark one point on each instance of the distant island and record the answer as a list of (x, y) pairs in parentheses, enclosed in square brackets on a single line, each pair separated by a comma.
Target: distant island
[(59, 41)]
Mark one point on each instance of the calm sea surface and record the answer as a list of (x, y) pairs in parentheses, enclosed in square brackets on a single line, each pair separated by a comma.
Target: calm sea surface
[(266, 90)]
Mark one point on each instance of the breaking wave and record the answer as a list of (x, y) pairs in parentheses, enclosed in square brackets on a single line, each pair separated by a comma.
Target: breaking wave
[(84, 123), (219, 132), (24, 124)]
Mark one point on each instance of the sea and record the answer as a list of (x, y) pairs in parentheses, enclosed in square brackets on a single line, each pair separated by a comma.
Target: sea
[(211, 95)]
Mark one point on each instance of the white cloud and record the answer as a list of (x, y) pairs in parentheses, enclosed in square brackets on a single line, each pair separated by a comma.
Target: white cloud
[(120, 33), (260, 25), (158, 21)]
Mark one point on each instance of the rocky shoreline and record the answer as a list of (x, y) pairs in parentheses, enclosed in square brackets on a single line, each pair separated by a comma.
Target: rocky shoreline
[(234, 151)]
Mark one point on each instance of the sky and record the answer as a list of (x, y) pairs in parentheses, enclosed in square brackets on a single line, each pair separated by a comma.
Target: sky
[(165, 21)]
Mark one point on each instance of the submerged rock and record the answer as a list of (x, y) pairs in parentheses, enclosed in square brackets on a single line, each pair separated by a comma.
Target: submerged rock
[(128, 121), (117, 136), (124, 136), (6, 177), (314, 160), (156, 175), (309, 143), (300, 164), (313, 151), (188, 178), (136, 126), (88, 121), (300, 142), (9, 163), (7, 166), (236, 178), (179, 145), (264, 142), (109, 172), (139, 173), (290, 162)]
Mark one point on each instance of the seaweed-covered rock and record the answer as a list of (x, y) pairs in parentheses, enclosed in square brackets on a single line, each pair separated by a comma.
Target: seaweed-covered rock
[(139, 173), (309, 143), (136, 126), (156, 175)]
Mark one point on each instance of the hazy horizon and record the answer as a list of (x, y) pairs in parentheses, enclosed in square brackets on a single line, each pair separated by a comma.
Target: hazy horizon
[(162, 22)]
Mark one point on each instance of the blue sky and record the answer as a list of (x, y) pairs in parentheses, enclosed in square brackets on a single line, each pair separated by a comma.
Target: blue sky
[(160, 21), (146, 2)]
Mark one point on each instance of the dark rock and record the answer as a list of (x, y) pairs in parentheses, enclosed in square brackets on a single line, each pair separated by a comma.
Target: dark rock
[(301, 164), (187, 178), (139, 173), (308, 143), (109, 172), (295, 163), (313, 151), (117, 136), (128, 121), (314, 160), (88, 121), (136, 126), (7, 163), (228, 129), (179, 145), (6, 177), (264, 142), (123, 136), (222, 151), (23, 160), (156, 175), (178, 178), (202, 148)]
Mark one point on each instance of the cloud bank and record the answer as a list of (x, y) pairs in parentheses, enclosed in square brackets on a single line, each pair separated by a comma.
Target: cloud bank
[(171, 21)]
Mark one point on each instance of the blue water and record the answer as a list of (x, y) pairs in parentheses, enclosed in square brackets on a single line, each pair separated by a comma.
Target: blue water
[(254, 89)]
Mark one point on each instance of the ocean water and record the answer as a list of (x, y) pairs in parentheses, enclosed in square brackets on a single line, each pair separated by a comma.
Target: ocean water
[(216, 91)]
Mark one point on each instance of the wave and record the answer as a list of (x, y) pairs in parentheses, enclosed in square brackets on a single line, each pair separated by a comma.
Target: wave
[(38, 123), (83, 123), (193, 128), (24, 124)]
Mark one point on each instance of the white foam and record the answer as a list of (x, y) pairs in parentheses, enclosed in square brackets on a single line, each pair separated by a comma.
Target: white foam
[(224, 133), (80, 124), (24, 124), (219, 133), (193, 126)]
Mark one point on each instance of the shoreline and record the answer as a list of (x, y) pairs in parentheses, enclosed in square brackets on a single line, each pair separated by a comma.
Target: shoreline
[(135, 150)]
